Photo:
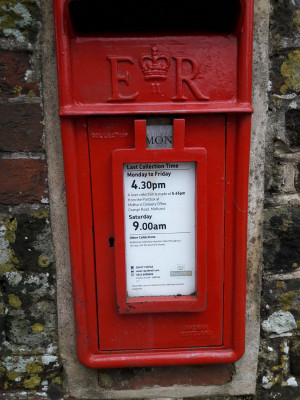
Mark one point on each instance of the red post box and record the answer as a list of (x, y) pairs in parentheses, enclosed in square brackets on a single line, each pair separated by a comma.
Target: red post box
[(155, 109)]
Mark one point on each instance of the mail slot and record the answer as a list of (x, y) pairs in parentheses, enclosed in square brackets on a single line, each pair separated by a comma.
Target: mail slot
[(155, 109)]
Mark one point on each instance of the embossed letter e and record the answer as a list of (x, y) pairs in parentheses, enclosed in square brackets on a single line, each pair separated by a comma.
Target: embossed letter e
[(116, 78)]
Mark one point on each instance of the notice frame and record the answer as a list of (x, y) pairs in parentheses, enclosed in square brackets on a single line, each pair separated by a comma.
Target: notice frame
[(140, 155)]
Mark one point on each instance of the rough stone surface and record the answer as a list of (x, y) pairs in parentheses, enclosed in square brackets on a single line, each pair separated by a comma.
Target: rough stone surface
[(30, 364), (20, 20), (22, 181), (281, 239), (281, 296), (278, 361), (138, 378), (275, 376), (292, 123), (295, 357), (21, 127), (15, 70), (279, 322), (29, 355)]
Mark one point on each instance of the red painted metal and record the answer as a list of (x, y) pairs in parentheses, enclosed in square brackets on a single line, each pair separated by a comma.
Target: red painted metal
[(203, 328), (105, 84)]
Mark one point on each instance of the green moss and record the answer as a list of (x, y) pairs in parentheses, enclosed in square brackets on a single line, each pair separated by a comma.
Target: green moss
[(43, 260), (6, 268), (17, 90), (12, 257), (11, 226), (287, 300), (296, 19), (10, 236), (2, 371), (283, 360), (12, 375), (17, 17), (38, 328), (41, 213), (33, 368), (57, 380), (32, 382), (52, 375), (14, 301), (286, 226), (106, 380), (8, 19), (277, 101), (290, 69), (279, 284), (11, 223), (11, 264), (31, 94)]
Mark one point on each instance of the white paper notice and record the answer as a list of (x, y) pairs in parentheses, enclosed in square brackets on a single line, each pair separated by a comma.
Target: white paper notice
[(159, 201)]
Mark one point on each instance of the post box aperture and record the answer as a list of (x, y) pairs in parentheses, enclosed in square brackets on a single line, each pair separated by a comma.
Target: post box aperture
[(156, 129)]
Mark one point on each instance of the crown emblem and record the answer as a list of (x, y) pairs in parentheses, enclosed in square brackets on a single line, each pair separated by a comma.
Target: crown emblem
[(154, 66)]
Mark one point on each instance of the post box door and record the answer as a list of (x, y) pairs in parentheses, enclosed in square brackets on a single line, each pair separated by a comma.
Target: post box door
[(156, 330)]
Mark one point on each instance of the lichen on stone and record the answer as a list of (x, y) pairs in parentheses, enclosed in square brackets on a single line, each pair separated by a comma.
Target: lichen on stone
[(43, 261), (33, 368), (41, 213), (290, 70), (11, 226), (286, 226), (287, 299), (6, 268), (57, 380), (2, 371), (38, 328), (279, 322), (32, 382), (296, 19), (19, 19), (106, 380), (12, 375), (14, 301)]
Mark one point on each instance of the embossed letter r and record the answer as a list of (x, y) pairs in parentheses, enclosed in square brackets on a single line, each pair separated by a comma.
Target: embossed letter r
[(116, 77)]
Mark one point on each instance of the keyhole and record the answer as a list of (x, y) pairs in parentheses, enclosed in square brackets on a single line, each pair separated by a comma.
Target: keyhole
[(111, 241)]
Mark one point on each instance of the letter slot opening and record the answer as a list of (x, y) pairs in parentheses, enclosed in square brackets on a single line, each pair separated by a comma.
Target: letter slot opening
[(129, 17)]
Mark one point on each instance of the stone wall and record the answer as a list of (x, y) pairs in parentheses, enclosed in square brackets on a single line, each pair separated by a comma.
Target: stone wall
[(29, 357), (279, 375), (30, 365)]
